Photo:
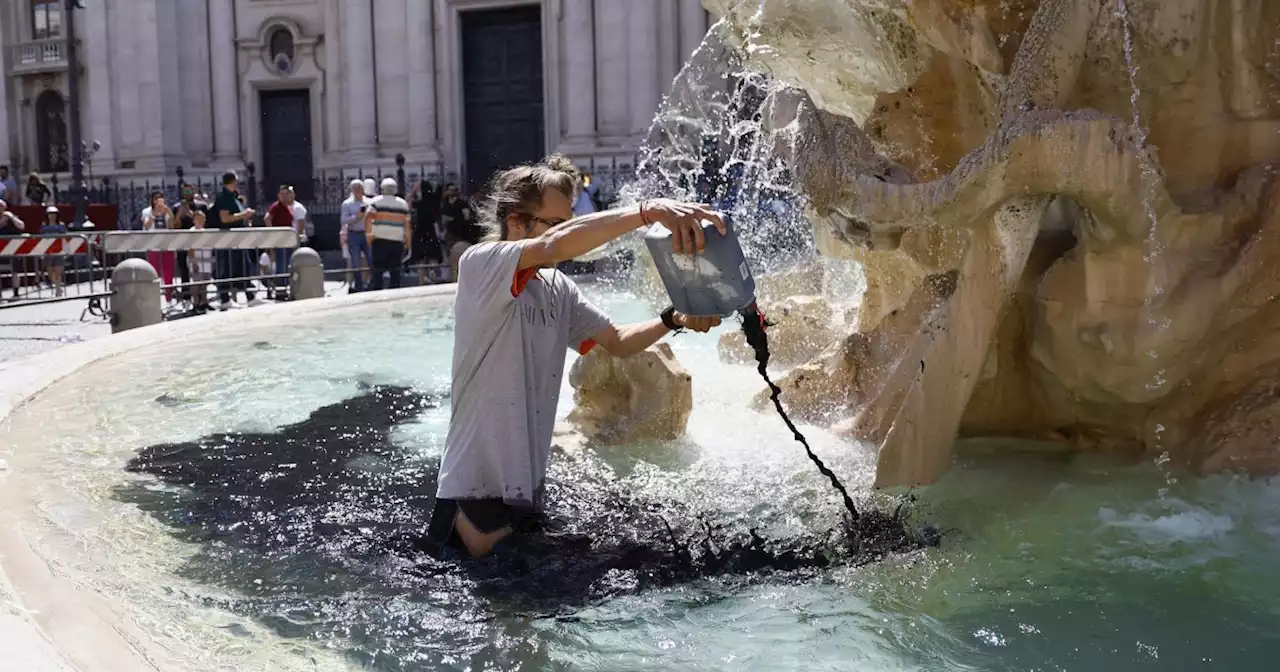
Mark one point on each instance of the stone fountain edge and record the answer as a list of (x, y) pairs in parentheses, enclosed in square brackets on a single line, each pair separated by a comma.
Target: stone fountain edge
[(51, 622)]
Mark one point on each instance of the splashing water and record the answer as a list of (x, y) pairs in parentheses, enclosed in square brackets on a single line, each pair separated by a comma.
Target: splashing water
[(706, 145), (1153, 246)]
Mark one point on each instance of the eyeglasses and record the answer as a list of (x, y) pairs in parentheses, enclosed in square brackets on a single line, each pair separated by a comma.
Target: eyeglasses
[(538, 220)]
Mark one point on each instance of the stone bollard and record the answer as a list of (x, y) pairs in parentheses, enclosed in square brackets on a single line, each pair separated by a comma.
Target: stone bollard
[(135, 296), (306, 275)]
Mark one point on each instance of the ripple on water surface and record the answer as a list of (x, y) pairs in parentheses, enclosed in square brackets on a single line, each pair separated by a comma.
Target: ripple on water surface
[(1054, 563)]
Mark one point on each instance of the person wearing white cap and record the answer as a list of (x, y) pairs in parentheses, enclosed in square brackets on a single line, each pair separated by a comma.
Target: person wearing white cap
[(389, 233), (355, 244), (54, 264)]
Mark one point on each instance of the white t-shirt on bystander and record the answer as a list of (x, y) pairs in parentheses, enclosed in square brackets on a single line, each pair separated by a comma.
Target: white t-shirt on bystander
[(152, 221), (299, 212)]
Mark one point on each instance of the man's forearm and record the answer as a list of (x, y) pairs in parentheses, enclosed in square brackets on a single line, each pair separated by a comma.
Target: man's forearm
[(634, 338), (583, 234)]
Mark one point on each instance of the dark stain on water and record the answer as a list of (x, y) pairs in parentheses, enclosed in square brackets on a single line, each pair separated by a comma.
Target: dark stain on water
[(318, 526)]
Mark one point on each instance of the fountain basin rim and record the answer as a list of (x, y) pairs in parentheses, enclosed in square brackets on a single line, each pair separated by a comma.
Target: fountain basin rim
[(52, 622)]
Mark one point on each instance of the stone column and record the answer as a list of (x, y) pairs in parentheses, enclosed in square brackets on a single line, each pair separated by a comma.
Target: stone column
[(357, 44), (124, 82), (612, 33), (422, 70), (644, 94), (392, 81), (693, 26), (171, 143), (670, 58), (577, 40), (147, 68), (335, 138), (195, 112), (99, 108), (6, 157), (226, 82)]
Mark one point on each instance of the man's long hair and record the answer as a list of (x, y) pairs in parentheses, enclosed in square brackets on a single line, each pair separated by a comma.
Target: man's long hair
[(520, 190)]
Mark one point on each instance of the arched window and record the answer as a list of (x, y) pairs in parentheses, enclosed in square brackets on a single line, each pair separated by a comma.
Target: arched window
[(51, 132), (281, 47)]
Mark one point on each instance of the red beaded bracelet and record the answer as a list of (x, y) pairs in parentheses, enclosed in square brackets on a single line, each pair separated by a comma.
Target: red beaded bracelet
[(644, 219)]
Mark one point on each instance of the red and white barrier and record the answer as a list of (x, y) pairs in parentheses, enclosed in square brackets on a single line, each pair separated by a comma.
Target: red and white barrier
[(40, 246), (169, 240)]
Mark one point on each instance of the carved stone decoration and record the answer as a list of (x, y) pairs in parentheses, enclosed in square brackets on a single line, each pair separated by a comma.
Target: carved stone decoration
[(1068, 212)]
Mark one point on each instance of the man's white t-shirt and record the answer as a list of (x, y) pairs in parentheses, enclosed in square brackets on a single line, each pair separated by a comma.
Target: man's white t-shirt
[(511, 335), (299, 213)]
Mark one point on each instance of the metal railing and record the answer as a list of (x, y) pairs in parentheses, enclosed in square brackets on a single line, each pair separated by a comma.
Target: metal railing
[(322, 193), (77, 266), (52, 268)]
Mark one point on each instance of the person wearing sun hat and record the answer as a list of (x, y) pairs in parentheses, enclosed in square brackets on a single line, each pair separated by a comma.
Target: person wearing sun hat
[(54, 264)]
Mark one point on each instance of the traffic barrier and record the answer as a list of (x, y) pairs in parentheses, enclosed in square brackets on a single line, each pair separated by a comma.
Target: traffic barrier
[(50, 268), (174, 240), (43, 246)]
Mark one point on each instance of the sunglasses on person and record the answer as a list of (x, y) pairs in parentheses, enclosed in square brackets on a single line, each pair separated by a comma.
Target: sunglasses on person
[(547, 222)]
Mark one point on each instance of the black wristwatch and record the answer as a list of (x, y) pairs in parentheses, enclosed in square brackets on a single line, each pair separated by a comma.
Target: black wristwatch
[(669, 319)]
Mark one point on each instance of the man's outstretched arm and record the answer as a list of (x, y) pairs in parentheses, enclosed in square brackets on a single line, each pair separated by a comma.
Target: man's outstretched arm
[(580, 235), (629, 339)]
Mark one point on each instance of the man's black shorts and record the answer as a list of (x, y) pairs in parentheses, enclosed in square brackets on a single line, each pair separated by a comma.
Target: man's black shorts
[(487, 515)]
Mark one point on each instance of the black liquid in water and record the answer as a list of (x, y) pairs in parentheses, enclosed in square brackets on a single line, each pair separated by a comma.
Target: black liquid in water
[(318, 527), (872, 532)]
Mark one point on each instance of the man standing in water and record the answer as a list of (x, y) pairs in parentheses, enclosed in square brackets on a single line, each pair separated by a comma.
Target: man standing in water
[(515, 318)]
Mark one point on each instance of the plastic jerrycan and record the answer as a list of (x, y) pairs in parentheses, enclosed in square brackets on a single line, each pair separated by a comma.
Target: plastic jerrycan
[(717, 281)]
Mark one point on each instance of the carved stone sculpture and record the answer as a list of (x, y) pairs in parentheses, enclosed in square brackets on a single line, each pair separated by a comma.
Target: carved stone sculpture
[(1067, 210)]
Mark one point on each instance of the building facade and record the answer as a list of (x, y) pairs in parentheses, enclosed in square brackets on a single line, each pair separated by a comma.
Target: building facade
[(296, 87)]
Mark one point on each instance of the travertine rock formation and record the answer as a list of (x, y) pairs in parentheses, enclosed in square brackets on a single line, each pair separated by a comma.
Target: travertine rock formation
[(646, 396), (1067, 210), (805, 325)]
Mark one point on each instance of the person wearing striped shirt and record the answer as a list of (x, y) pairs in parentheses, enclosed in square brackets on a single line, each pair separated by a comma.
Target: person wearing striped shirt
[(389, 231)]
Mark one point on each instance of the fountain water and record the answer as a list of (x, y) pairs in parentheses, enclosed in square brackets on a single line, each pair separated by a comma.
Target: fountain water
[(255, 536), (705, 145), (1153, 245)]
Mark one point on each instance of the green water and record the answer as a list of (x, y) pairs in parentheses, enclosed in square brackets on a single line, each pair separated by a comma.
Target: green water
[(1051, 562)]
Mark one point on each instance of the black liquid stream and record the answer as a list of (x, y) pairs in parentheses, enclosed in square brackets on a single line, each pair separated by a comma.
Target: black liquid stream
[(754, 326)]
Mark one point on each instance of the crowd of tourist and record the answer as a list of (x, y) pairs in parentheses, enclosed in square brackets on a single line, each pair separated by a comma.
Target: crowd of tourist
[(381, 236), (35, 192)]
